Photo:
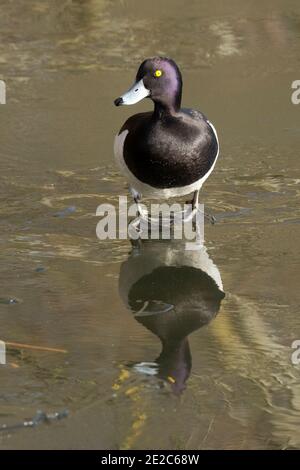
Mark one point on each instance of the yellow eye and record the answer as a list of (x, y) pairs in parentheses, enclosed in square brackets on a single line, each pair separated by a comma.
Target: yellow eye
[(158, 73)]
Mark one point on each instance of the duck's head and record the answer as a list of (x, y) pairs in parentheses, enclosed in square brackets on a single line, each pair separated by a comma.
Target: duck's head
[(158, 78)]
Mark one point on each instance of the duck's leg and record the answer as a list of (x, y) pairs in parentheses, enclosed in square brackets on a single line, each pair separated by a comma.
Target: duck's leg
[(134, 227), (195, 204), (141, 215), (135, 194), (137, 197), (195, 200)]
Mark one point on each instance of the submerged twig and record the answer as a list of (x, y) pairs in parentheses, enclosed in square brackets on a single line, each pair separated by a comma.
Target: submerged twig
[(208, 430), (40, 417), (37, 348)]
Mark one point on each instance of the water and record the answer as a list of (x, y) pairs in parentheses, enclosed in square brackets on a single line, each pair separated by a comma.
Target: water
[(156, 356)]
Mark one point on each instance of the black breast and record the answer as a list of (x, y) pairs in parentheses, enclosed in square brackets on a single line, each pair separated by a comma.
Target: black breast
[(171, 152)]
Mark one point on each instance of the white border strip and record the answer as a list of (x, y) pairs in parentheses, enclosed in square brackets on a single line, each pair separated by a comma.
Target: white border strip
[(2, 353), (2, 92)]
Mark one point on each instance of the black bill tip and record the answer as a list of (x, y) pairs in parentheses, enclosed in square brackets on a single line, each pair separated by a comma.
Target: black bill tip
[(118, 101)]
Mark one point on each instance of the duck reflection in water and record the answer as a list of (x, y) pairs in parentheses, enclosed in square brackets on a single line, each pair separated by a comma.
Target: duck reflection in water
[(172, 292)]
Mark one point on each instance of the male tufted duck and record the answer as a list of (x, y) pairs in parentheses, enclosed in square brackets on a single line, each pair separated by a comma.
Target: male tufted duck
[(170, 151)]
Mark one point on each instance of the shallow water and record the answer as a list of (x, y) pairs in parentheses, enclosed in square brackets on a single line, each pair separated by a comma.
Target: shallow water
[(201, 371)]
